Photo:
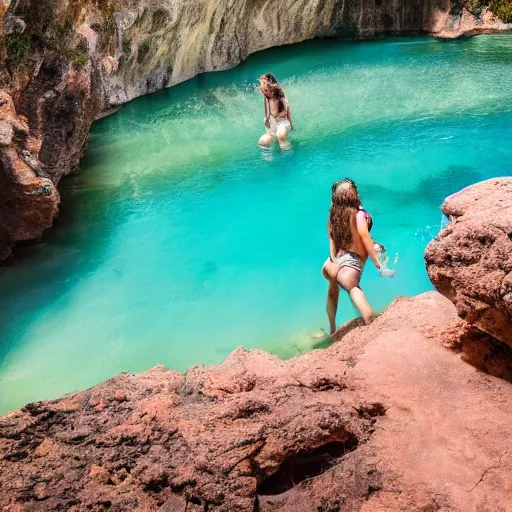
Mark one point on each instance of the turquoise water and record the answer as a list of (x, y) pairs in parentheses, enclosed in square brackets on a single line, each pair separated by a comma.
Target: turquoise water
[(181, 239)]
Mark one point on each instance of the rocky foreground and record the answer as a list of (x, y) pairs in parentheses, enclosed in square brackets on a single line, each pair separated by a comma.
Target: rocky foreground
[(389, 418), (65, 63), (385, 419)]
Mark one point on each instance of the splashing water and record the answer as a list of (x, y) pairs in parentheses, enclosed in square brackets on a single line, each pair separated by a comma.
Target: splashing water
[(383, 259), (181, 239)]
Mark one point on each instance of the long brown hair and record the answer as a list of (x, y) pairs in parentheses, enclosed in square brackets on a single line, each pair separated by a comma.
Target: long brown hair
[(273, 89), (345, 202)]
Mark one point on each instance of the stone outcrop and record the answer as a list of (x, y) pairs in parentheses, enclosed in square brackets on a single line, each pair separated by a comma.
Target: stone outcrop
[(28, 200), (67, 63), (470, 261), (460, 22), (479, 349), (386, 419)]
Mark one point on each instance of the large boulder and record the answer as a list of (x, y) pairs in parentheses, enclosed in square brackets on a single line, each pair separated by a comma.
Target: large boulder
[(470, 261)]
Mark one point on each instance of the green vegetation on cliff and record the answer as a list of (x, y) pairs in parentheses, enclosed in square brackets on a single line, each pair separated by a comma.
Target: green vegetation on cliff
[(501, 8), (18, 45), (78, 58)]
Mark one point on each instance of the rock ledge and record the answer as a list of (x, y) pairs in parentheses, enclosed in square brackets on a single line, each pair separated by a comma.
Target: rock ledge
[(386, 419)]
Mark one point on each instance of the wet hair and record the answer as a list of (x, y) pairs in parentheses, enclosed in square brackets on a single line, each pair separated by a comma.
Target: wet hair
[(369, 220), (273, 89), (278, 94), (345, 202), (345, 193), (381, 248), (269, 77)]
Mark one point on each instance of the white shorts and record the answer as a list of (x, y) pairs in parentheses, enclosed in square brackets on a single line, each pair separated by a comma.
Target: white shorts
[(277, 123)]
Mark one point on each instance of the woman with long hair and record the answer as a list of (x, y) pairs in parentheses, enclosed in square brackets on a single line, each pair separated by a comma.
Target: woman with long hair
[(350, 246), (278, 118)]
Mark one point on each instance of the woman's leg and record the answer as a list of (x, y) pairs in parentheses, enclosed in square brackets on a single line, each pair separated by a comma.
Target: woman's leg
[(359, 299), (266, 139), (282, 136), (333, 294), (329, 271), (349, 278)]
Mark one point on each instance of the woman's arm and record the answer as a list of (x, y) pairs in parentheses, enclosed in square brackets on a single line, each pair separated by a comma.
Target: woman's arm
[(267, 112), (289, 114), (332, 249), (362, 229)]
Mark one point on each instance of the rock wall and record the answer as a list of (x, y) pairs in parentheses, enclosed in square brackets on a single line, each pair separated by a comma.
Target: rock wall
[(66, 63), (19, 182), (164, 46)]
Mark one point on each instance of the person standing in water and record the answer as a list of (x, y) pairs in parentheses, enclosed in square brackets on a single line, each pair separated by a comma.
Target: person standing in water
[(350, 246), (278, 118)]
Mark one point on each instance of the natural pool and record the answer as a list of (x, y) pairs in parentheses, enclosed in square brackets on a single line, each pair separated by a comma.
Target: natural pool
[(180, 239)]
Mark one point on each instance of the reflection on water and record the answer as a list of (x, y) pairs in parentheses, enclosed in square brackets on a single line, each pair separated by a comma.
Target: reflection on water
[(182, 239)]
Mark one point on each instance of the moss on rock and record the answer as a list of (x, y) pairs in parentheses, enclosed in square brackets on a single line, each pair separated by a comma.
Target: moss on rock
[(18, 46)]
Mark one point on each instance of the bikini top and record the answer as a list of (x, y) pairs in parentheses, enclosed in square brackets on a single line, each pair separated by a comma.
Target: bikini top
[(369, 218)]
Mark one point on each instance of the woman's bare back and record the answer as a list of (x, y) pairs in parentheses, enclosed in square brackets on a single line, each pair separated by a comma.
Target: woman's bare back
[(357, 244), (278, 107)]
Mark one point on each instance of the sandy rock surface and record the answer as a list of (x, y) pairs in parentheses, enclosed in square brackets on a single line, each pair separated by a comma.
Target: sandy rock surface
[(386, 419), (460, 22)]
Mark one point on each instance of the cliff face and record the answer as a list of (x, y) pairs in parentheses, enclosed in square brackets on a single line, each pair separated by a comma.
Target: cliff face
[(164, 46), (19, 181), (66, 63)]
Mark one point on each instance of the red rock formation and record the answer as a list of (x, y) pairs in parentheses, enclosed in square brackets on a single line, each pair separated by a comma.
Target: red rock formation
[(463, 23), (479, 349), (470, 261), (28, 202), (386, 419)]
